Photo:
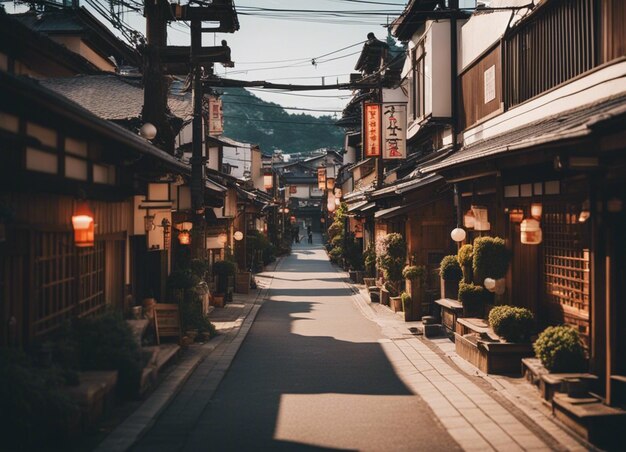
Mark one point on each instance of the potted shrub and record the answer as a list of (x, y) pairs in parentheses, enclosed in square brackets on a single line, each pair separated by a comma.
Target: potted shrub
[(369, 261), (385, 293), (450, 274), (473, 298), (490, 259), (406, 300), (511, 323), (465, 257), (560, 350), (414, 277), (390, 258)]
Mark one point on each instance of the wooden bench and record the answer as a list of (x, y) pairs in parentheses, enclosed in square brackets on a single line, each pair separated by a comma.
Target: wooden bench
[(451, 310)]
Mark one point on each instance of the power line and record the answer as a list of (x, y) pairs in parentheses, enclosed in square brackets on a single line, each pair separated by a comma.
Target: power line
[(283, 108), (311, 123)]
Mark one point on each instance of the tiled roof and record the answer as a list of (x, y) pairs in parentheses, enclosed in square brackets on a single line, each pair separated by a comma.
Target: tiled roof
[(113, 97), (570, 124)]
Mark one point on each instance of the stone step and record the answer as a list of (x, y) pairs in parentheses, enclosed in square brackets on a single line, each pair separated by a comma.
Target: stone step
[(160, 356)]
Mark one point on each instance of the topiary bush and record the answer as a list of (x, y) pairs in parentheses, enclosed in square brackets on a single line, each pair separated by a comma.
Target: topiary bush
[(106, 342), (465, 257), (473, 298), (449, 269), (560, 349), (336, 254), (414, 272), (369, 259), (511, 323), (35, 414), (491, 258), (390, 257)]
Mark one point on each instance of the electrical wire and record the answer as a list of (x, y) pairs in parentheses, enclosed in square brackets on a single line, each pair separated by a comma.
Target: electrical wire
[(311, 123)]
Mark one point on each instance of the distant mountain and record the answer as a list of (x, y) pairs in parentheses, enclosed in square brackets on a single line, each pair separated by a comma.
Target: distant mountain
[(252, 120)]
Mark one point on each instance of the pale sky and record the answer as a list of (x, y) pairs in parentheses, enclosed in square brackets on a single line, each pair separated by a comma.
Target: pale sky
[(302, 36)]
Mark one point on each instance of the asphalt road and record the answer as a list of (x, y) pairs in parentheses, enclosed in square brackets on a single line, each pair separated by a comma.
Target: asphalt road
[(311, 375)]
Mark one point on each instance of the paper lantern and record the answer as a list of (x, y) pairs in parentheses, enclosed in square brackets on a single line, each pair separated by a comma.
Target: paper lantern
[(184, 238), (238, 235), (535, 210), (458, 234), (222, 238), (83, 224), (490, 284), (330, 183), (531, 232), (268, 181), (148, 131), (516, 215), (469, 219)]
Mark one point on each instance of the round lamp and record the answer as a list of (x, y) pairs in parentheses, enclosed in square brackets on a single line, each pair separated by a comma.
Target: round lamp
[(148, 131), (490, 284), (458, 234), (238, 235), (83, 224)]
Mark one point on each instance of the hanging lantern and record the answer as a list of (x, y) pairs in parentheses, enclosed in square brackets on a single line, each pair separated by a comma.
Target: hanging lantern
[(585, 213), (268, 181), (535, 210), (184, 237), (222, 238), (531, 232), (148, 131), (490, 284), (238, 235), (458, 234), (469, 219), (83, 224), (516, 215)]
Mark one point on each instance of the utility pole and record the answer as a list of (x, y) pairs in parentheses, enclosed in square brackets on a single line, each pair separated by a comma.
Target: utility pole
[(155, 107)]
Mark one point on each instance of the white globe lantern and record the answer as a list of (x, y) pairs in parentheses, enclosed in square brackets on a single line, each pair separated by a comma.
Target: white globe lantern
[(490, 284), (458, 234), (148, 131), (238, 235)]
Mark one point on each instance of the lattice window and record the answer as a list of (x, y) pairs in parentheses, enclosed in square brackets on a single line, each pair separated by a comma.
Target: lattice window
[(566, 268), (55, 281), (91, 279)]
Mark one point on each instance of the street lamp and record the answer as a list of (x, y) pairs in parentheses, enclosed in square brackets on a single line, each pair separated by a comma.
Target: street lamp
[(148, 131)]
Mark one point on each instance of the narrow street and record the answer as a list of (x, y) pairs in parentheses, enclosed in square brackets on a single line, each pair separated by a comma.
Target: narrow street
[(311, 374)]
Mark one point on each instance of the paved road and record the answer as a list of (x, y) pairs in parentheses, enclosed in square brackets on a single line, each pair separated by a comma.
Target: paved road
[(311, 375)]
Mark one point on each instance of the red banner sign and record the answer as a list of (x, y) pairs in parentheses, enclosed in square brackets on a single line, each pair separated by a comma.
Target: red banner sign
[(371, 130)]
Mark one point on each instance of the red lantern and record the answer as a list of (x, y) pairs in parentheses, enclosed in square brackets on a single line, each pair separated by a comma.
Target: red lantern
[(83, 224)]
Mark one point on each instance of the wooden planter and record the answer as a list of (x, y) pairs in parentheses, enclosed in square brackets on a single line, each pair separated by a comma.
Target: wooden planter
[(449, 289), (500, 358), (218, 300), (242, 282), (369, 282), (395, 303), (384, 297), (414, 310)]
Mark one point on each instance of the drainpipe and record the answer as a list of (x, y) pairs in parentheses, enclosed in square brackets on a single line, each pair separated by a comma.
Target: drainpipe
[(454, 7)]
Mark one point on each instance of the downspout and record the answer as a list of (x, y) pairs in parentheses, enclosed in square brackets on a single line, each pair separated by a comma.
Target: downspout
[(454, 7)]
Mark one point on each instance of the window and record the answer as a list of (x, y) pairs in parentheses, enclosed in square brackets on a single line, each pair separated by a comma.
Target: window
[(418, 94), (44, 162)]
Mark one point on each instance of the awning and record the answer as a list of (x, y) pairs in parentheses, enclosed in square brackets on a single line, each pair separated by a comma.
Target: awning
[(212, 185), (388, 213), (406, 186), (357, 206), (571, 124)]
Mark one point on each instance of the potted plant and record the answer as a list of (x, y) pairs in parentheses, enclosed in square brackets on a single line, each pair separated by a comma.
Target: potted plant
[(560, 350), (385, 293), (390, 258), (465, 256), (511, 323), (474, 299), (414, 277), (490, 260), (406, 300), (369, 261), (450, 274)]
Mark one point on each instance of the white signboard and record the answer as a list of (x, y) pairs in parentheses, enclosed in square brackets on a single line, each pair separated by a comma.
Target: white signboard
[(394, 131), (490, 84)]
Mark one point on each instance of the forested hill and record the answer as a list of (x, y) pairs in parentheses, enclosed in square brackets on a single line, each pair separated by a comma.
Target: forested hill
[(252, 120)]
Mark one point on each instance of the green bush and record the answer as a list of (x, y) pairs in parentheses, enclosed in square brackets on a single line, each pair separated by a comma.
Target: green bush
[(473, 298), (391, 255), (192, 318), (466, 254), (223, 269), (182, 279), (491, 258), (406, 299), (199, 267), (369, 258), (106, 342), (511, 323), (449, 269), (414, 272), (336, 254), (560, 349), (34, 411)]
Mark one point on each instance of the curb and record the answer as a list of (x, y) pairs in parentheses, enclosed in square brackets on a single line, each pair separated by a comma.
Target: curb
[(134, 427)]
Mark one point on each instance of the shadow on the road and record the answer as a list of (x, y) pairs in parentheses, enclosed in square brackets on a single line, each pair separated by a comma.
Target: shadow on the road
[(275, 362)]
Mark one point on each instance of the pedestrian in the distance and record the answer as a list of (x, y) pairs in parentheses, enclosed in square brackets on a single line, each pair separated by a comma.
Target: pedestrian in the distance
[(310, 236)]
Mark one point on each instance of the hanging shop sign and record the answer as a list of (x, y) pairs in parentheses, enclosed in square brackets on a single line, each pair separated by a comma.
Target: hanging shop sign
[(371, 129), (213, 115), (321, 178), (394, 131)]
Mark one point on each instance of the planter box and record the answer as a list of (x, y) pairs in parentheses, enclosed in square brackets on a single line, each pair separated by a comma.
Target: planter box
[(242, 282), (395, 303), (449, 289), (500, 358), (414, 311), (218, 300), (450, 311), (384, 297)]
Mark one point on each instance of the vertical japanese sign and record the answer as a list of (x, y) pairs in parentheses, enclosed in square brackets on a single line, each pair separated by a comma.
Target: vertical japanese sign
[(321, 178), (214, 116), (371, 130), (394, 131)]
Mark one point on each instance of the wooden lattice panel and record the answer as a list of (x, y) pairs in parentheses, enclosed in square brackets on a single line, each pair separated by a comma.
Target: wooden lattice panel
[(566, 268), (91, 279)]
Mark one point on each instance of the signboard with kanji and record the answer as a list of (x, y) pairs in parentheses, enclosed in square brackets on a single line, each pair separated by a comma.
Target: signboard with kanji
[(321, 178), (394, 131), (213, 115), (371, 130)]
